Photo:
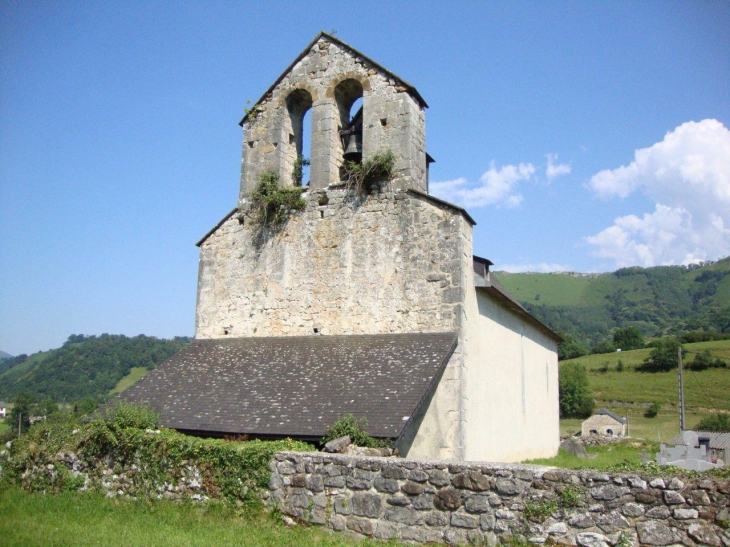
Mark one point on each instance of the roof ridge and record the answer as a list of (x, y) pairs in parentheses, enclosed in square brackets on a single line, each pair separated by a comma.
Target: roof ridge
[(322, 34)]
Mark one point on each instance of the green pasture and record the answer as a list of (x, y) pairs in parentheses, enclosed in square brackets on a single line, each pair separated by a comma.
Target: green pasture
[(703, 390), (135, 374), (76, 519)]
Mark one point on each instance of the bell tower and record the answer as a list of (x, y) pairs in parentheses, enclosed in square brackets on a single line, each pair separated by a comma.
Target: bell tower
[(328, 77)]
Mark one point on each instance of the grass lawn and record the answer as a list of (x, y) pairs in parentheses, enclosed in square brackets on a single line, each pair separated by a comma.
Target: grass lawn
[(135, 374), (606, 456), (77, 519), (4, 426)]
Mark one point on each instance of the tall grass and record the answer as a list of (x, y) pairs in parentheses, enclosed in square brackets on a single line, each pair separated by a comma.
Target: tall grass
[(73, 519)]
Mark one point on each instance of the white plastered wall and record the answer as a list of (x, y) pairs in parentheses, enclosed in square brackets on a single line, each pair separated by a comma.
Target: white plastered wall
[(511, 387)]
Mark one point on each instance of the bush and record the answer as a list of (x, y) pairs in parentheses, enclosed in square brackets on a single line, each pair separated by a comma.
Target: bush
[(121, 414), (715, 422), (378, 167), (663, 357), (620, 366), (229, 470), (603, 347), (569, 348), (355, 429), (270, 204), (575, 397), (628, 338), (653, 410), (704, 361)]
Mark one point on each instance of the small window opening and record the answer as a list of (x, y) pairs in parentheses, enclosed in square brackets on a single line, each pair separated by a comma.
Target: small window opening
[(251, 143), (593, 432), (321, 214), (299, 105), (383, 121), (349, 98), (609, 432)]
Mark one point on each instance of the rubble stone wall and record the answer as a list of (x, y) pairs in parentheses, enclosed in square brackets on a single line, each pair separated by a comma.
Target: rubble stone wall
[(389, 262), (436, 501), (392, 119)]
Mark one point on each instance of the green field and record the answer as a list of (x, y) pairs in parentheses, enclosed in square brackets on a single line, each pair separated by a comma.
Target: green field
[(135, 374), (73, 519), (703, 390)]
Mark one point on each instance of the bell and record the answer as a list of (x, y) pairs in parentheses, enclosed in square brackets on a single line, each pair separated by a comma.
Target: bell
[(353, 151)]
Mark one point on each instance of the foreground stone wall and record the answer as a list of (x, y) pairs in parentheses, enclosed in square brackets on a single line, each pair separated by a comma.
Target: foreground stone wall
[(431, 501)]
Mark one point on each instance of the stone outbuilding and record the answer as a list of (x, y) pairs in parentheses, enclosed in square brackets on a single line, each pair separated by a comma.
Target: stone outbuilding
[(366, 300), (605, 422)]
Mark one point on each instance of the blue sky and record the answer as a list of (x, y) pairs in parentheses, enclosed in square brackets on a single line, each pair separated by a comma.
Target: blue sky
[(580, 136)]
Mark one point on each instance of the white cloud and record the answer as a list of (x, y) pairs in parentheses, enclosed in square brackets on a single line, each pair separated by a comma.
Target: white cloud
[(495, 187), (687, 175), (542, 267), (555, 170)]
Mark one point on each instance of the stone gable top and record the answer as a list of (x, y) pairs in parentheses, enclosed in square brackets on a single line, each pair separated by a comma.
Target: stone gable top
[(324, 36)]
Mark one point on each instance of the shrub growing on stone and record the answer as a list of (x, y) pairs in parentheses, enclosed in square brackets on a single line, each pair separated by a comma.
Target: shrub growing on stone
[(356, 429)]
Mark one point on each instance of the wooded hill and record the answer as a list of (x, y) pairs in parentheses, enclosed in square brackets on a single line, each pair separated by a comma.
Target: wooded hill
[(657, 301), (85, 366)]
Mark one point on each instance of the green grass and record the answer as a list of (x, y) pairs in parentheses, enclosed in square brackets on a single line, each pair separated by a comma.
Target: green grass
[(704, 391), (75, 519), (4, 426), (606, 457), (135, 374)]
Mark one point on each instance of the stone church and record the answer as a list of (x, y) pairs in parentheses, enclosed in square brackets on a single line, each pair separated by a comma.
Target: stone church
[(368, 300)]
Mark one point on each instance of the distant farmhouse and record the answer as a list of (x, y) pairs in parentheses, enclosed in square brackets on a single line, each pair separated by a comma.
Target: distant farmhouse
[(368, 300), (605, 422), (3, 409)]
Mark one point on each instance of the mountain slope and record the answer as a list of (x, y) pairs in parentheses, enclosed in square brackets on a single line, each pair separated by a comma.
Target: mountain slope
[(85, 366), (657, 301)]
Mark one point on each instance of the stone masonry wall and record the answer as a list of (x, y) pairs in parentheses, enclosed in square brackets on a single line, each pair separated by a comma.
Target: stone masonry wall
[(436, 501), (389, 262), (392, 119)]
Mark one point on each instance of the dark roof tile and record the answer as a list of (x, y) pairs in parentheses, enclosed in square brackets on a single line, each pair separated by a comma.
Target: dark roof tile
[(295, 386)]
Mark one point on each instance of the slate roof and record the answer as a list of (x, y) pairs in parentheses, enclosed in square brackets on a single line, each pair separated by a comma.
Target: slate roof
[(606, 412), (718, 441), (295, 386)]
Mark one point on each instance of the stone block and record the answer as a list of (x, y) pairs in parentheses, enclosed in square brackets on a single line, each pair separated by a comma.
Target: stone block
[(361, 525), (654, 532), (437, 518), (612, 522), (366, 504), (685, 514), (673, 498), (472, 480), (508, 487), (388, 486), (632, 510), (448, 500), (387, 530), (424, 502), (463, 520), (608, 492), (477, 504), (404, 515), (437, 477), (704, 534), (412, 488)]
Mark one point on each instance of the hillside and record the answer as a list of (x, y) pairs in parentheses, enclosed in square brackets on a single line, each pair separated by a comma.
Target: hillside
[(629, 392), (85, 366), (5, 355), (657, 301)]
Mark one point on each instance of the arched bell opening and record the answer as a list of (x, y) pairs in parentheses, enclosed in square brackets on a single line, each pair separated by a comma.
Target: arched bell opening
[(348, 95), (296, 164)]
